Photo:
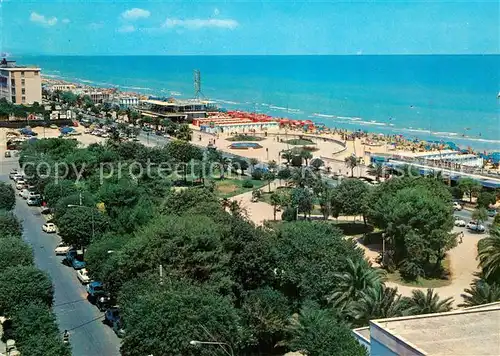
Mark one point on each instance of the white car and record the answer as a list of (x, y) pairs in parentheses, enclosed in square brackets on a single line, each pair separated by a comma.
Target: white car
[(49, 228), (62, 249), (459, 222), (20, 184), (18, 177), (457, 206), (474, 226), (13, 173), (83, 275), (34, 195), (24, 193)]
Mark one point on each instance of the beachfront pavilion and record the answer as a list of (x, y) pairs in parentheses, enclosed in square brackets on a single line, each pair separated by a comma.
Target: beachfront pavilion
[(177, 110)]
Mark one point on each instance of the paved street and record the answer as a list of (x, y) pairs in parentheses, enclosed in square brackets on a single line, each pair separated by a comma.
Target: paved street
[(88, 335)]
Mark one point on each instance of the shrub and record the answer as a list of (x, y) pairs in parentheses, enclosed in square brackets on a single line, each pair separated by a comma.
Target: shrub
[(411, 270), (247, 183), (289, 214)]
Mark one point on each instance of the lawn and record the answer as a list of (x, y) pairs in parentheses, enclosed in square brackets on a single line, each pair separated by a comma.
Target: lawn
[(245, 138), (227, 188), (299, 142), (443, 281)]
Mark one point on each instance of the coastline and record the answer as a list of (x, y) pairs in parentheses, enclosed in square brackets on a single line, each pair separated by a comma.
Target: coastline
[(351, 123)]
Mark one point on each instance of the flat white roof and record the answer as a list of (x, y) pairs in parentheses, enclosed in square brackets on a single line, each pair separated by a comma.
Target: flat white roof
[(21, 69), (468, 332)]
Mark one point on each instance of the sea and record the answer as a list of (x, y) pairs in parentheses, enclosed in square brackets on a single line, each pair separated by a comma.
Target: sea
[(446, 98)]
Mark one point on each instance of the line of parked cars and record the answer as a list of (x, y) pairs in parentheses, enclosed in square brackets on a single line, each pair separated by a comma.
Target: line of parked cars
[(96, 294), (25, 191)]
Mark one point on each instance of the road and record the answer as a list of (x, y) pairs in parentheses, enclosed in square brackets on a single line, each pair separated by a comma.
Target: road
[(88, 335)]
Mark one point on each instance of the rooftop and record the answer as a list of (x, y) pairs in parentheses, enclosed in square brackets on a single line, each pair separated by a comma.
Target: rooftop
[(176, 102), (12, 66), (474, 331)]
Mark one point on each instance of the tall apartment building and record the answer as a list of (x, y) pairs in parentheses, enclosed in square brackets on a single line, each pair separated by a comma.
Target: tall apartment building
[(20, 84)]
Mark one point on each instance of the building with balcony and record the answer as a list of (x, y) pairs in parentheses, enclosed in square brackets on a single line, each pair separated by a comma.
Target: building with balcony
[(20, 84), (470, 331)]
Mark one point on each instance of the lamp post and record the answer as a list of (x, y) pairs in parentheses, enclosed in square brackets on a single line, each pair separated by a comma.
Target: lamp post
[(221, 344), (86, 207)]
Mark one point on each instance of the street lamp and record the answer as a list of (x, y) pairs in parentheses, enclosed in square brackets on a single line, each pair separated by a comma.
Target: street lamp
[(221, 344)]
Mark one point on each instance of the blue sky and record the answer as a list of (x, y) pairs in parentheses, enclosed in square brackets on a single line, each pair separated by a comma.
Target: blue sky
[(251, 27)]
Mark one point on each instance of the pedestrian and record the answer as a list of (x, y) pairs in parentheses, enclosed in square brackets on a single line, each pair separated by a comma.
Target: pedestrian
[(461, 236)]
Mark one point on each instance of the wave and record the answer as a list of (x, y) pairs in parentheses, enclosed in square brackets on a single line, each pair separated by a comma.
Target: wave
[(281, 108), (323, 115), (229, 102), (52, 76)]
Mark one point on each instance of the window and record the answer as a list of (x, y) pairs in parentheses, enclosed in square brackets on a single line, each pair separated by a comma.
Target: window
[(22, 82), (12, 83), (23, 91), (22, 74), (36, 74), (13, 99), (23, 99)]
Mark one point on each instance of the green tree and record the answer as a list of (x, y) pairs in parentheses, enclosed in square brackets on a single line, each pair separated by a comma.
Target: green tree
[(35, 331), (272, 165), (79, 224), (357, 278), (284, 174), (278, 200), (427, 303), (480, 215), (269, 177), (184, 133), (377, 170), (253, 162), (302, 198), (10, 226), (351, 197), (480, 292), (351, 162), (417, 223), (317, 163), (56, 190), (267, 314), (7, 196), (14, 252), (182, 152), (378, 303), (318, 332), (180, 312), (469, 186), (306, 156), (489, 255), (485, 199), (22, 285), (307, 259)]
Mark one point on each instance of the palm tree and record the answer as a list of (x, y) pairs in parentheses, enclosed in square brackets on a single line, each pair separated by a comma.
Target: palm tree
[(489, 254), (276, 201), (357, 278), (306, 155), (377, 303), (378, 170), (272, 165), (253, 162), (427, 303), (351, 162), (288, 155), (223, 163), (184, 132), (480, 293)]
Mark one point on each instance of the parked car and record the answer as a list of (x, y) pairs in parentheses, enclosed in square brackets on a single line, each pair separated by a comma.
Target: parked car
[(49, 228), (53, 126), (24, 193), (83, 275), (14, 172), (33, 194), (62, 248), (459, 222), (457, 206), (112, 315), (492, 213), (103, 302), (8, 154), (118, 328), (20, 184), (74, 258), (94, 291), (33, 201), (474, 226), (17, 177)]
